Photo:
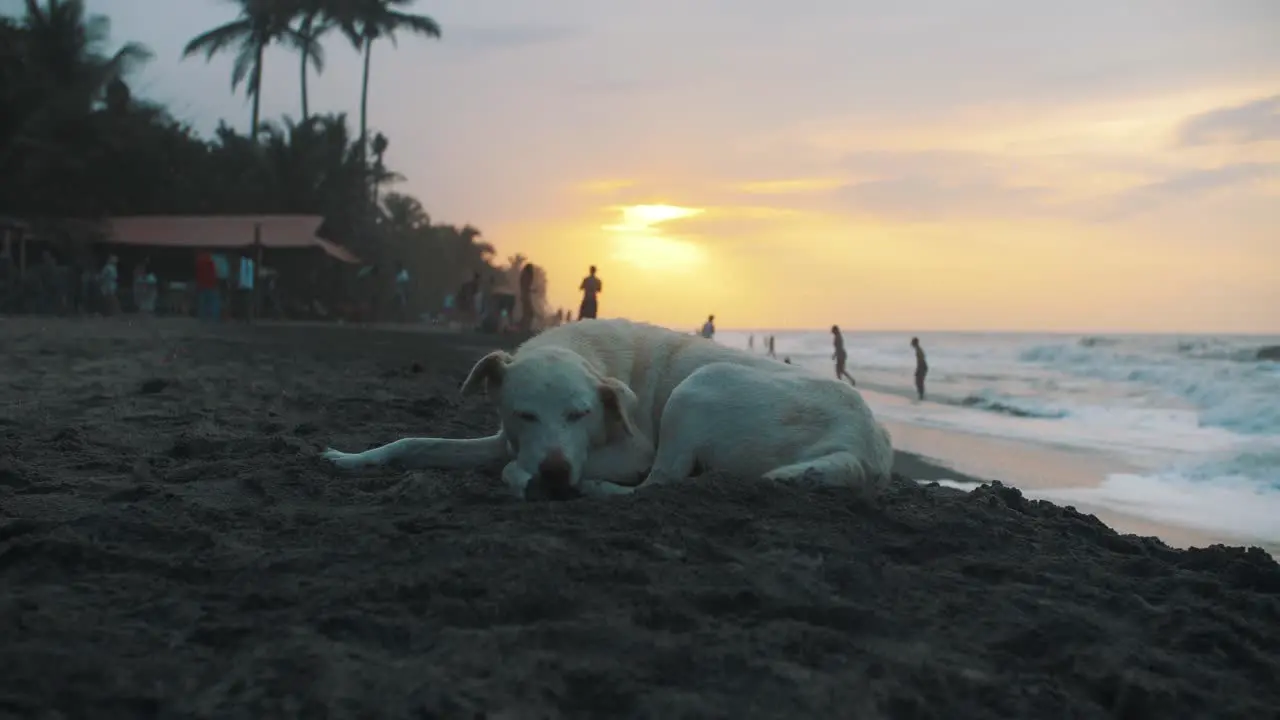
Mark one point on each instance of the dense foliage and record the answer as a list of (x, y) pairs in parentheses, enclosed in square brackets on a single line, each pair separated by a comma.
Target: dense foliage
[(76, 143)]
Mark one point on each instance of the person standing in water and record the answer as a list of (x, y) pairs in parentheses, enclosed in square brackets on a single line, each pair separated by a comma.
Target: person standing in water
[(590, 287), (709, 327), (922, 367), (840, 356), (751, 343), (769, 345)]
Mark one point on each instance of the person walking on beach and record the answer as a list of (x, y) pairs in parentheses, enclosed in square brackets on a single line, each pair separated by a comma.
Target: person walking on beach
[(402, 291), (208, 301), (109, 285), (247, 272), (709, 327), (922, 367), (840, 356), (590, 287)]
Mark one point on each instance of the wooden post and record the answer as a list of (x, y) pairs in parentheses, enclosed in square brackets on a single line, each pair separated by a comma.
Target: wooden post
[(257, 271)]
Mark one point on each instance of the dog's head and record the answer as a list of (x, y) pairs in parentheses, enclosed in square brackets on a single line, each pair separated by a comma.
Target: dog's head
[(555, 408)]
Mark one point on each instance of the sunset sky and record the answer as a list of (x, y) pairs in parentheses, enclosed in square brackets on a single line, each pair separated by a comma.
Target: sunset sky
[(919, 165)]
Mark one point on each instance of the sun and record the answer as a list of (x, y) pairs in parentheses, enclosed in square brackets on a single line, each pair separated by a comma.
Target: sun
[(638, 240)]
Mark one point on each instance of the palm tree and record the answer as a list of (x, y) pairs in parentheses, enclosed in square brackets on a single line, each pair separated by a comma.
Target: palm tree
[(404, 214), (55, 70), (366, 21), (315, 20), (261, 23), (64, 47)]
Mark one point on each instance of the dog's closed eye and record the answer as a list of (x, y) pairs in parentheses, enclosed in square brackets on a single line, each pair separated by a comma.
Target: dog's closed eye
[(576, 415), (527, 417)]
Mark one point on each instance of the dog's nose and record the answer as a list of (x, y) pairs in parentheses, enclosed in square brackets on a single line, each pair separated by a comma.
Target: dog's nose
[(555, 470), (553, 480)]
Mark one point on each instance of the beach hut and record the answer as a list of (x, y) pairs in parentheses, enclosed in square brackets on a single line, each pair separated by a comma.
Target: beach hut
[(179, 237)]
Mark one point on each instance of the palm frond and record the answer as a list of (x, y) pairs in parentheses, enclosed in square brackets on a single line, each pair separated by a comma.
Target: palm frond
[(214, 41), (129, 58), (418, 24), (299, 41), (243, 67)]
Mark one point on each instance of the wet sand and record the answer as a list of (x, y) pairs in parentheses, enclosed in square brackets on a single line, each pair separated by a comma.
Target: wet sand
[(170, 546), (1041, 472)]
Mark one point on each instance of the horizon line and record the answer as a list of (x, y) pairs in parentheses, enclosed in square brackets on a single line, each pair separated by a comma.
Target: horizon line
[(1094, 333)]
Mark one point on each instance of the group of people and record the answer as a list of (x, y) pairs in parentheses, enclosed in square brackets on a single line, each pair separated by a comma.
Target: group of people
[(770, 348), (479, 304), (216, 282), (839, 354), (592, 286)]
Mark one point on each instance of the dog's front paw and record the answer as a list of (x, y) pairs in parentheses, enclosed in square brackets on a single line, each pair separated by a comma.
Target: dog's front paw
[(346, 461)]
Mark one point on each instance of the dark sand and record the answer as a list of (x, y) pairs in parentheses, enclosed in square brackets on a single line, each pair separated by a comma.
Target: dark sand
[(170, 546)]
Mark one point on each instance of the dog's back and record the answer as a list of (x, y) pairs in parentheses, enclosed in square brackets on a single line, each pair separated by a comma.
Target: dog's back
[(651, 360)]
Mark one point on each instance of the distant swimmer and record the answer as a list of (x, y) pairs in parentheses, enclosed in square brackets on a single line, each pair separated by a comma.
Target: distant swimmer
[(709, 327), (590, 287), (922, 367), (840, 356)]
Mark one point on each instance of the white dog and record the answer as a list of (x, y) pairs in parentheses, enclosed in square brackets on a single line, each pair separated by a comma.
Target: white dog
[(605, 406)]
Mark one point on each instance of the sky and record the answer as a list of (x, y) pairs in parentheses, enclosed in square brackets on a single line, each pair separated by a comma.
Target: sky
[(922, 165)]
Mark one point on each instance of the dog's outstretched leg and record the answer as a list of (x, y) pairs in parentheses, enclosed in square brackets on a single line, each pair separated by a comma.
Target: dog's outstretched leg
[(602, 488), (426, 453), (842, 469)]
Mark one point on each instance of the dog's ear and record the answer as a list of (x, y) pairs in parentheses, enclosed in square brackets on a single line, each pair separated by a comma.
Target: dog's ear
[(487, 374), (620, 405)]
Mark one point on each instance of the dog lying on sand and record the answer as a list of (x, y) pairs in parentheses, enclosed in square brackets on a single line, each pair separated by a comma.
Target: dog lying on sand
[(602, 407)]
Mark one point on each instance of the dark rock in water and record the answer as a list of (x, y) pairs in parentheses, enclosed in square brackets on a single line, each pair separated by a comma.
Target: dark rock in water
[(1270, 352), (1094, 341)]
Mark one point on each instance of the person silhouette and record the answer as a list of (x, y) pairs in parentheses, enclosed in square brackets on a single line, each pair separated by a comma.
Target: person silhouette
[(840, 356), (922, 367), (590, 287)]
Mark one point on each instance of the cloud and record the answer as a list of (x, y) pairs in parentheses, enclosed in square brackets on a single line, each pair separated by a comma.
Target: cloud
[(742, 225), (1185, 185), (1252, 122), (788, 187), (931, 185)]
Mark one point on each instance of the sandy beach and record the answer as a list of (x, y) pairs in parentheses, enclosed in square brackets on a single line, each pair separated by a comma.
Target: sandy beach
[(171, 546), (1039, 471)]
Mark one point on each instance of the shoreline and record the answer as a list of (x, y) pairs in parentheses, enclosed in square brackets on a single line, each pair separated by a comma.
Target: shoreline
[(1074, 471)]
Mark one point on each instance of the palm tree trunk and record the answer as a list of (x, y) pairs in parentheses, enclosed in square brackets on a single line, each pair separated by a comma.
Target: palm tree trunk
[(257, 92), (306, 54), (364, 102)]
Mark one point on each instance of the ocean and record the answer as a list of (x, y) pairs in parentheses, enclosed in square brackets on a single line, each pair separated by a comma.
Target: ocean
[(1198, 417)]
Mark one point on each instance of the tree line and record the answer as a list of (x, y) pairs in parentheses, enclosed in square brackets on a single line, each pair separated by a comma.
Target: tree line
[(76, 142)]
